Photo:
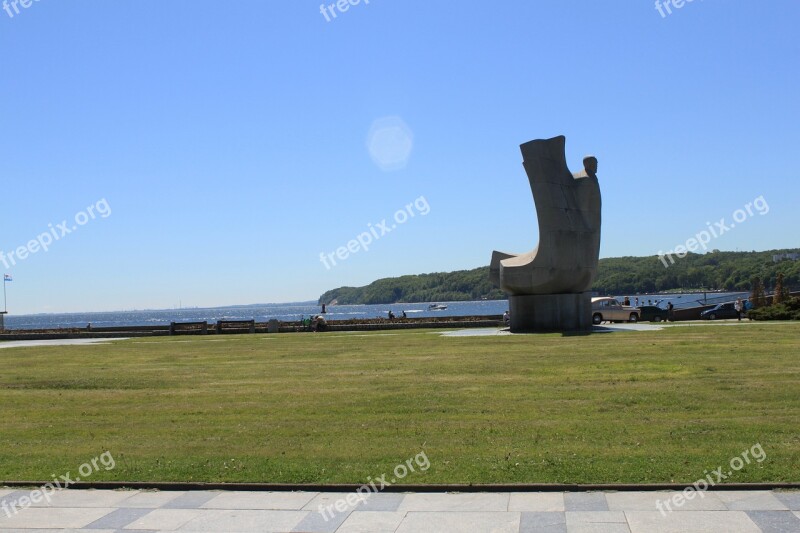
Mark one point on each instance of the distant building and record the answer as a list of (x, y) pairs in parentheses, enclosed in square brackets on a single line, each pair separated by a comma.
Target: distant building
[(777, 258)]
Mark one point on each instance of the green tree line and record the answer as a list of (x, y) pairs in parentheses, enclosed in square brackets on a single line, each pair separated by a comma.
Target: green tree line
[(730, 271), (463, 285)]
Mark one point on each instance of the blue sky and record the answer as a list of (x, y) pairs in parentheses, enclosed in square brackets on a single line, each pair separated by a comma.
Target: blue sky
[(235, 142)]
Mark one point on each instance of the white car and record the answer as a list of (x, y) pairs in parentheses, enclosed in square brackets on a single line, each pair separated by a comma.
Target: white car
[(606, 309)]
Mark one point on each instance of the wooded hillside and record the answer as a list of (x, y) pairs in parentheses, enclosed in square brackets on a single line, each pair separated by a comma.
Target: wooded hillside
[(618, 275)]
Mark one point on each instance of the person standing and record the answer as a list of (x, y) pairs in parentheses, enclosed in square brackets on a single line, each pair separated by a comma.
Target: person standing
[(739, 307), (670, 314)]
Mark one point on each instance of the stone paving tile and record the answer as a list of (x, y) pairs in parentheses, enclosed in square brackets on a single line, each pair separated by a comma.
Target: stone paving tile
[(694, 521), (585, 501), (596, 522), (190, 500), (775, 521), (66, 530), (149, 499), (790, 499), (146, 511), (560, 528), (460, 522), (85, 498), (536, 501), (315, 522), (383, 501), (324, 499), (325, 504), (598, 527), (245, 521), (12, 498), (51, 518), (278, 501), (166, 519), (543, 522), (387, 501), (118, 519), (752, 500), (372, 522), (595, 517), (468, 502), (648, 501)]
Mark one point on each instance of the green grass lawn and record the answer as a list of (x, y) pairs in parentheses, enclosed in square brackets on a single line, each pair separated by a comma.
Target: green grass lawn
[(639, 407)]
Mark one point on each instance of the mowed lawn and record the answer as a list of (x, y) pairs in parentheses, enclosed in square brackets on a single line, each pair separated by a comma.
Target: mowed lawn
[(638, 407)]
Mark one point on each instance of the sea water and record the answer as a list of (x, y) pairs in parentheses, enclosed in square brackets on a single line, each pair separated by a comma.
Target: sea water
[(296, 311)]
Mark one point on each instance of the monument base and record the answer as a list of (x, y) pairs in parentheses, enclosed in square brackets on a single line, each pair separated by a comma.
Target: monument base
[(551, 312)]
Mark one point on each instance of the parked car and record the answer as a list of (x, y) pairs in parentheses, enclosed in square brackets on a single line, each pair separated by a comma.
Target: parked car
[(652, 313), (720, 311), (606, 309)]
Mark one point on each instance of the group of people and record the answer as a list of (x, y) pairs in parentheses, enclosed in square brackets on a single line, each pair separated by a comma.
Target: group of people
[(669, 307), (742, 306), (392, 316), (627, 301), (314, 323)]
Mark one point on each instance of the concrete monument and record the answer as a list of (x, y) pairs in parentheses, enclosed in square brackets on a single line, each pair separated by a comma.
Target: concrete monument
[(549, 287)]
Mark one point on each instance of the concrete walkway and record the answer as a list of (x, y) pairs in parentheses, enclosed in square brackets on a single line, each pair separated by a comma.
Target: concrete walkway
[(57, 342), (231, 512)]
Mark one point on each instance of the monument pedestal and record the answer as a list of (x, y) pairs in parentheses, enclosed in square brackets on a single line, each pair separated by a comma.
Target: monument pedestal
[(551, 312)]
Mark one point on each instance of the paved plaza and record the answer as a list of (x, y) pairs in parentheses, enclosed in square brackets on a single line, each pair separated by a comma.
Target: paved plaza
[(58, 342), (328, 512)]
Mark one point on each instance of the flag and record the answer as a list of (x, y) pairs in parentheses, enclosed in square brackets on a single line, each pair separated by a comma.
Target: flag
[(7, 277)]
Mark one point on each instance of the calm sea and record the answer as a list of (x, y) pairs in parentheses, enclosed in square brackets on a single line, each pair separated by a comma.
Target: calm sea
[(259, 313), (291, 312)]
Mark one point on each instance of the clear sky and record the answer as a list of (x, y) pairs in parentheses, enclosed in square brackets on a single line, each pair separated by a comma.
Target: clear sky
[(223, 146)]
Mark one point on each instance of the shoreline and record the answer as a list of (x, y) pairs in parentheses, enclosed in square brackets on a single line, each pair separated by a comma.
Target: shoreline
[(369, 324)]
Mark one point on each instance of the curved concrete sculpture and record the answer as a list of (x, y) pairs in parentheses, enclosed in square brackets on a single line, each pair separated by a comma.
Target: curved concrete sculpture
[(549, 286)]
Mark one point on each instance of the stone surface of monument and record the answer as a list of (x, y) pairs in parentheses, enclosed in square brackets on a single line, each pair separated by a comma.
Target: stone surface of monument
[(550, 287)]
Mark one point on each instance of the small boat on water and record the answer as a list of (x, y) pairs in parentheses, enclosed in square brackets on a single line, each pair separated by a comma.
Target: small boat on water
[(437, 307)]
